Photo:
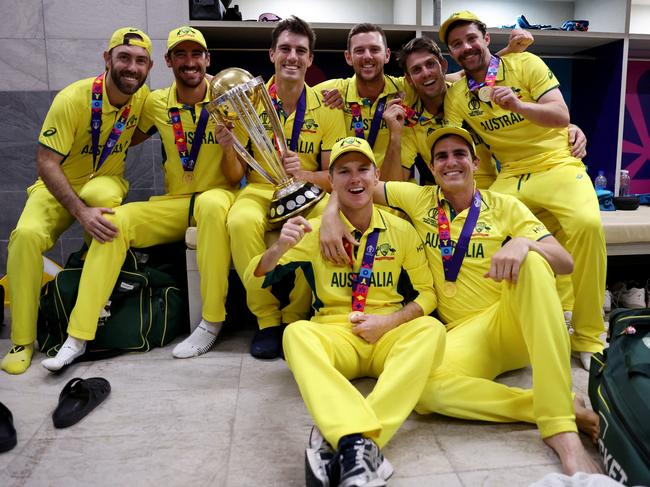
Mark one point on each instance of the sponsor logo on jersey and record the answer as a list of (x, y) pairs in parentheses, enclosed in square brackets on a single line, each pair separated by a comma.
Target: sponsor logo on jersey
[(49, 132)]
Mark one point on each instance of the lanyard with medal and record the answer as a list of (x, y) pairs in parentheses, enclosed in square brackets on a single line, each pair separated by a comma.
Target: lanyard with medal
[(485, 89), (361, 282), (298, 120), (357, 121), (188, 160), (96, 103), (452, 259)]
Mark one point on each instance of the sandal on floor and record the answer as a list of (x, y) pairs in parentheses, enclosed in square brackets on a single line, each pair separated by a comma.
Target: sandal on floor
[(7, 431), (78, 398)]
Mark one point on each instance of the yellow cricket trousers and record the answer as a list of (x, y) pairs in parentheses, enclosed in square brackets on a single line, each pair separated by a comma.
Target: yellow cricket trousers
[(324, 357), (41, 223), (566, 192), (524, 327), (162, 219), (247, 224)]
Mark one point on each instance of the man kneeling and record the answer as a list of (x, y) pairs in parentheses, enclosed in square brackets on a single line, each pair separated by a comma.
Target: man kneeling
[(361, 327)]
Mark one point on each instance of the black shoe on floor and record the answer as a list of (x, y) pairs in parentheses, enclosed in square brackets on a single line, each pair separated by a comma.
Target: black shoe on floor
[(267, 342), (8, 437)]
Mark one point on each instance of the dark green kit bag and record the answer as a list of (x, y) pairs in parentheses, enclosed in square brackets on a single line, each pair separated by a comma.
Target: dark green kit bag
[(619, 389), (147, 308)]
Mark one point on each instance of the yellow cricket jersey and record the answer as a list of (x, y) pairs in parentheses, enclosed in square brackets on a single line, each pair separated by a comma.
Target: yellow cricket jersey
[(393, 88), (417, 140), (320, 130), (399, 259), (207, 172), (501, 217), (519, 145), (66, 130)]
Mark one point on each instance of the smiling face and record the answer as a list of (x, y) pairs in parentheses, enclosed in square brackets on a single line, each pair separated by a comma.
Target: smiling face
[(354, 178), (426, 73), (291, 57), (189, 62), (367, 55), (128, 67), (469, 47), (453, 164)]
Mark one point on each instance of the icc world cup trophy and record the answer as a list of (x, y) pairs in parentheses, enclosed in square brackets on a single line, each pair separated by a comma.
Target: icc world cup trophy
[(236, 96)]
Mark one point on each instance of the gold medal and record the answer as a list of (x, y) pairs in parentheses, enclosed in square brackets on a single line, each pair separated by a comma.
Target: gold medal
[(353, 315), (188, 177), (484, 93), (449, 289)]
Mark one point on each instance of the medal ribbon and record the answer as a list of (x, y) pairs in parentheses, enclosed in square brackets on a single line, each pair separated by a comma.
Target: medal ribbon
[(452, 259), (490, 77), (298, 120), (361, 282), (188, 160), (96, 104), (357, 121)]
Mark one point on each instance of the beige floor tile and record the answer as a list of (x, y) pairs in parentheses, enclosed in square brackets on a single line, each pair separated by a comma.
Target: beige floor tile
[(435, 480), (257, 373), (132, 459), (279, 406), (268, 457), (414, 450), (511, 477), (497, 446)]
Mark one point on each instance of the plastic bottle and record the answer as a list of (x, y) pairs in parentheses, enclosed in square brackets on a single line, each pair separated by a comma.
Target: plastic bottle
[(601, 181), (624, 183)]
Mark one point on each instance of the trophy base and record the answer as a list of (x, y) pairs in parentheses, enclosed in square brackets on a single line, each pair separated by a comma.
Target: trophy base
[(293, 198)]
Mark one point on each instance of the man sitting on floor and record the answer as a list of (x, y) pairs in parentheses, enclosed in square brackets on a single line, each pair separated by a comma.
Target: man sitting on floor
[(364, 325)]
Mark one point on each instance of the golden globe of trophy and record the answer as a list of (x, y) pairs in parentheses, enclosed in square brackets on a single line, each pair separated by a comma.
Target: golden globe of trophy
[(236, 97)]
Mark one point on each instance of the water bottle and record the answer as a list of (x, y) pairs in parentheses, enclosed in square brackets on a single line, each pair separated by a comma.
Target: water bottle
[(601, 181), (624, 183)]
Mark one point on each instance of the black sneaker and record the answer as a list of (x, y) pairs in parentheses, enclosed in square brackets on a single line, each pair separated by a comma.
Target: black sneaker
[(361, 463), (267, 342), (321, 465)]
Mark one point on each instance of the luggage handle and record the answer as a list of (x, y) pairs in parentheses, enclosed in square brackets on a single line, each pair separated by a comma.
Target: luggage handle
[(641, 369)]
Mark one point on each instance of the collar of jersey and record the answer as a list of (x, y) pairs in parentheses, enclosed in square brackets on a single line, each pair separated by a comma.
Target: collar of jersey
[(376, 222), (172, 101), (312, 99), (352, 94)]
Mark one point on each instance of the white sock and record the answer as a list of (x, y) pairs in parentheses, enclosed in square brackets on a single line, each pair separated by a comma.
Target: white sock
[(71, 349), (200, 341)]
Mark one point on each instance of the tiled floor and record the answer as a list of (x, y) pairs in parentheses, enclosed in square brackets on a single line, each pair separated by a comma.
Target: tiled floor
[(226, 419)]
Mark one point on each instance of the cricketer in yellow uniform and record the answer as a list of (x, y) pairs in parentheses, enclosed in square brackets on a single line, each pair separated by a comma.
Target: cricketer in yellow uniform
[(324, 353), (165, 218), (394, 87), (416, 140), (247, 221), (66, 133), (493, 327), (537, 167)]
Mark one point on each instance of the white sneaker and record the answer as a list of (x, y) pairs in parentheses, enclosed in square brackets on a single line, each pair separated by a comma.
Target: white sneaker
[(607, 303), (632, 297), (568, 315), (584, 358)]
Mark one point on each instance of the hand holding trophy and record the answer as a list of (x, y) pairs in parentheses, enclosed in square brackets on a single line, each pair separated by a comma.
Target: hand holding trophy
[(236, 97)]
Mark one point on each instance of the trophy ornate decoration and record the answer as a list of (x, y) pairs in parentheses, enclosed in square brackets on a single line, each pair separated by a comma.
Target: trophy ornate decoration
[(236, 97)]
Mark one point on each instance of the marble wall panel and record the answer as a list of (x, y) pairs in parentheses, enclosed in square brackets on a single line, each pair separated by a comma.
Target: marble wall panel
[(23, 65), (91, 19), (160, 75), (164, 15), (69, 60), (21, 19)]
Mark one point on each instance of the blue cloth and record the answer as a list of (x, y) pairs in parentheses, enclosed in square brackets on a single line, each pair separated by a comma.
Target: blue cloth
[(605, 200)]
